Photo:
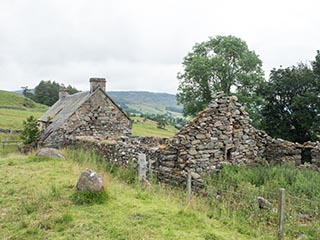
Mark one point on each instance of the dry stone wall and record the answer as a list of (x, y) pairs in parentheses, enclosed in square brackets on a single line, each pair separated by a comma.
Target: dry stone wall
[(219, 135)]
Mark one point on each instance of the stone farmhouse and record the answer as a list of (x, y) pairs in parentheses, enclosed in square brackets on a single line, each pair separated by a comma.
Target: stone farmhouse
[(91, 113)]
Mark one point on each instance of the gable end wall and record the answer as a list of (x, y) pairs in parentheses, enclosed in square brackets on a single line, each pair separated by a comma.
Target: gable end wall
[(97, 117)]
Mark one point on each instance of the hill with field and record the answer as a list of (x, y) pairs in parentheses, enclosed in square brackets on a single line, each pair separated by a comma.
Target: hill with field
[(15, 108), (12, 100), (146, 102)]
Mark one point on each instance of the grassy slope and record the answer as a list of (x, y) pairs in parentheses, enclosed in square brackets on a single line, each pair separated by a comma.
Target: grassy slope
[(149, 128), (40, 208), (12, 118), (15, 100)]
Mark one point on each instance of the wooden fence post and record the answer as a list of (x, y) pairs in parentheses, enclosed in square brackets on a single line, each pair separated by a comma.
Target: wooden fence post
[(189, 186), (281, 213)]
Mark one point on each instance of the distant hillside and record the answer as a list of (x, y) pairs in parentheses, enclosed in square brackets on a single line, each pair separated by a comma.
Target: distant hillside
[(146, 102), (12, 100)]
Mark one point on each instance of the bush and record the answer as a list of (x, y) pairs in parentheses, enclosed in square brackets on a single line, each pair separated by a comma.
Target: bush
[(30, 132)]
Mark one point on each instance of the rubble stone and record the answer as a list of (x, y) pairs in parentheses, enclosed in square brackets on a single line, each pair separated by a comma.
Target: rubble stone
[(203, 146)]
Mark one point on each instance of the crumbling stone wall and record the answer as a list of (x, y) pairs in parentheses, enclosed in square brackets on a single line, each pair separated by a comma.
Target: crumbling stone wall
[(221, 134)]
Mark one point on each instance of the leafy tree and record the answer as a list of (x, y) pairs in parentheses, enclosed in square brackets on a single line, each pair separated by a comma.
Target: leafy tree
[(71, 90), (30, 132), (161, 121), (27, 92), (47, 92), (293, 106), (223, 63)]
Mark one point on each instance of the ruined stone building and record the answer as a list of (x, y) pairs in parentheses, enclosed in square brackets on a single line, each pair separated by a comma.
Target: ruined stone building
[(91, 113), (219, 135)]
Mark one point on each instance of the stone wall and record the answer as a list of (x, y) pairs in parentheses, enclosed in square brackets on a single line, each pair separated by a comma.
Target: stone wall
[(219, 135), (97, 117)]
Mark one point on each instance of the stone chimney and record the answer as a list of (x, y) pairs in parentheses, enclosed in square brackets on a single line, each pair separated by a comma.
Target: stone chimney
[(63, 92), (97, 82)]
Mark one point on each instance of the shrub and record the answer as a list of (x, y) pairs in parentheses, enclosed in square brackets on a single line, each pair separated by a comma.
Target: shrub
[(30, 132)]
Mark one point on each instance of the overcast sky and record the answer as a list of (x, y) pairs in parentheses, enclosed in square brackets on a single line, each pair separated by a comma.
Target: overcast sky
[(139, 45)]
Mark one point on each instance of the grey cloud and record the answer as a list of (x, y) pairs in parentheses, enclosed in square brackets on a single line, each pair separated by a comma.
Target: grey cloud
[(139, 45)]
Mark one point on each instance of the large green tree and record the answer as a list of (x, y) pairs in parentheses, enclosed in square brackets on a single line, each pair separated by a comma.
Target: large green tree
[(292, 109), (47, 92), (223, 63)]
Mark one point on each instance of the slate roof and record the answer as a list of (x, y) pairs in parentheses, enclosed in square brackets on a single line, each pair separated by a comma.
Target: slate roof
[(65, 107)]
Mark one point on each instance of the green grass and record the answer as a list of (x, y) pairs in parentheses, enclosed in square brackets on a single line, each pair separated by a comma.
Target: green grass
[(11, 99), (12, 118), (239, 187), (9, 148), (149, 128), (36, 204)]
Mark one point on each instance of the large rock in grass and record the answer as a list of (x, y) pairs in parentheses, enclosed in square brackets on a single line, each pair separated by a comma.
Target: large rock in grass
[(50, 153), (90, 181)]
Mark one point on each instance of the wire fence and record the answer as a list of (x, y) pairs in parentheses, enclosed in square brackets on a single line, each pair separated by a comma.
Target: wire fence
[(6, 143), (261, 209), (291, 216)]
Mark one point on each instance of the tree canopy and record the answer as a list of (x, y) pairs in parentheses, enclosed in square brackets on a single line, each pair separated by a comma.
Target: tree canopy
[(292, 109), (223, 63), (47, 92)]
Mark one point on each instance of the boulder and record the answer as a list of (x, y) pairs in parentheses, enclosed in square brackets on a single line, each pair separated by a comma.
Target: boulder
[(50, 152), (90, 181)]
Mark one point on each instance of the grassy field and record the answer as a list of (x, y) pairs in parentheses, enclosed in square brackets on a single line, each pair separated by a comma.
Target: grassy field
[(12, 118), (239, 187), (11, 99), (36, 204), (149, 128), (15, 108), (8, 148)]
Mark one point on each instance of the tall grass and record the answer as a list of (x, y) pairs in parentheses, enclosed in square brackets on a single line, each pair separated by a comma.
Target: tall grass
[(41, 208), (83, 156), (303, 183), (233, 194)]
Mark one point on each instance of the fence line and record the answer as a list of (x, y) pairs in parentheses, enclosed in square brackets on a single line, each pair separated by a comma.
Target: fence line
[(5, 143)]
